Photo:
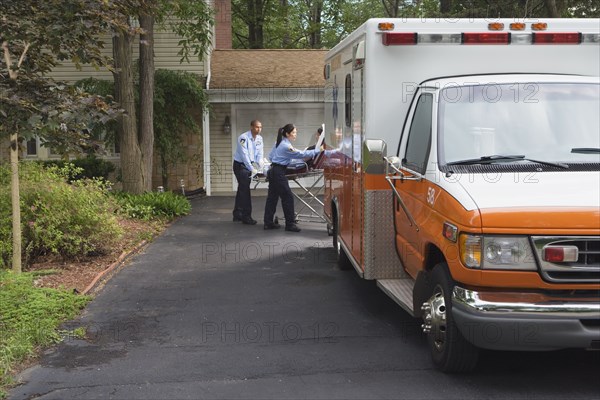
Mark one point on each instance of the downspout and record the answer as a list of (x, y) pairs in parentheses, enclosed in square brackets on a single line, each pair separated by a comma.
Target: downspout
[(206, 130)]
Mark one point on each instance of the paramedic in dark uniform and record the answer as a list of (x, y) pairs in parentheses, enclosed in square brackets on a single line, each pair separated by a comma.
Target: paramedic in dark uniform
[(246, 162), (283, 152)]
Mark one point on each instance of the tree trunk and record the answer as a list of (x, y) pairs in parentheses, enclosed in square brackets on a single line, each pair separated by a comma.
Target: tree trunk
[(445, 6), (255, 25), (131, 155), (164, 172), (552, 8), (286, 40), (16, 203), (146, 133), (315, 34)]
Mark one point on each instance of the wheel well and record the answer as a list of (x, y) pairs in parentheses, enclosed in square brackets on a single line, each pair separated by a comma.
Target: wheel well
[(433, 257), (333, 212)]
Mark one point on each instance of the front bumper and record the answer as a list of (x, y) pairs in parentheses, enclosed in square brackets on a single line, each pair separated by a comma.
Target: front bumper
[(526, 321)]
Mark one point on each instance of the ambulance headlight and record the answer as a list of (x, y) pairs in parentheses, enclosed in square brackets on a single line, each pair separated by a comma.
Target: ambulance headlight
[(497, 252)]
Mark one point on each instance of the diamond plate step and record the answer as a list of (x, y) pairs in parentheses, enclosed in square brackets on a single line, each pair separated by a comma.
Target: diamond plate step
[(400, 290)]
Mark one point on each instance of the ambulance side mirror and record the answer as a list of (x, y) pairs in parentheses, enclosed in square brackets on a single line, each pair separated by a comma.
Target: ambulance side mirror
[(393, 165), (374, 153)]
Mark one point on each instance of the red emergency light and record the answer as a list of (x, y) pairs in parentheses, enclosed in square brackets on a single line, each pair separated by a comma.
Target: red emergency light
[(486, 38), (399, 38), (556, 38)]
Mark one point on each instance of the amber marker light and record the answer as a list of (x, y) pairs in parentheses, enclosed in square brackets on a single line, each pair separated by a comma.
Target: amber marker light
[(539, 26), (517, 26), (495, 26), (386, 26), (450, 232)]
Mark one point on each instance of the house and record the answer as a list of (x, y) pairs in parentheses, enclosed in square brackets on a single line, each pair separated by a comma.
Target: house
[(274, 86)]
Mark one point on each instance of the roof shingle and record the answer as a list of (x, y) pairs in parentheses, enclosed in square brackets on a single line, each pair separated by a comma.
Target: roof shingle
[(276, 68)]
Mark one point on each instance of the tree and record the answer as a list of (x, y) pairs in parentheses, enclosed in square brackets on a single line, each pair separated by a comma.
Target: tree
[(323, 23), (35, 37), (192, 21)]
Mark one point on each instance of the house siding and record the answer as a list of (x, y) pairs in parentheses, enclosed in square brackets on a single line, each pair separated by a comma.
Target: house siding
[(165, 57), (221, 161)]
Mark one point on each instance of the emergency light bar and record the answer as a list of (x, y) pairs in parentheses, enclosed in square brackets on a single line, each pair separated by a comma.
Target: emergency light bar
[(489, 38)]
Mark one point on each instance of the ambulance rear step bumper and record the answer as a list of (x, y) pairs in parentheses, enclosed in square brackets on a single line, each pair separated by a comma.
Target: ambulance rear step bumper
[(526, 321)]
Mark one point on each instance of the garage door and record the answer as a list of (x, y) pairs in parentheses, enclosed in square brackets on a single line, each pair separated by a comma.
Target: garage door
[(307, 117)]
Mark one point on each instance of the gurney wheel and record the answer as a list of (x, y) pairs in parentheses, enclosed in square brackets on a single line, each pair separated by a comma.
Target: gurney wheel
[(330, 229)]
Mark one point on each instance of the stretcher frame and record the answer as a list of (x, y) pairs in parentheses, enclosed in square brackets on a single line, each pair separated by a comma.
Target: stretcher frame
[(308, 197)]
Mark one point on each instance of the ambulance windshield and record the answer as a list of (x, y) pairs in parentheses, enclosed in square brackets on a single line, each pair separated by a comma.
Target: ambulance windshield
[(550, 122)]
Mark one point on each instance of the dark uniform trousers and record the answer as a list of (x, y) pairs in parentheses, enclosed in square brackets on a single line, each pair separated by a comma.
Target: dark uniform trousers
[(243, 203), (279, 187)]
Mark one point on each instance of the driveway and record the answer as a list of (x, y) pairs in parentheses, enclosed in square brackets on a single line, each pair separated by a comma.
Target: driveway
[(214, 309)]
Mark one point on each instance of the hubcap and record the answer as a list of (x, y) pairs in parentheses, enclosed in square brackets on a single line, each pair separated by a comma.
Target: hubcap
[(434, 318)]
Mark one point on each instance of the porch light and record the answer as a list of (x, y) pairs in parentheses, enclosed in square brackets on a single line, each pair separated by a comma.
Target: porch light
[(227, 125)]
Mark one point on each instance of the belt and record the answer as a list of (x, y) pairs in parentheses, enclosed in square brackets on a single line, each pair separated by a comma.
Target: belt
[(239, 164), (278, 165)]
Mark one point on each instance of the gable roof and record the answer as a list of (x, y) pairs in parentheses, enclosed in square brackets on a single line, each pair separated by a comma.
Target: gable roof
[(267, 68)]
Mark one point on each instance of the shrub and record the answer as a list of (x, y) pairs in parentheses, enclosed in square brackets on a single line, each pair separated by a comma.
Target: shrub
[(89, 167), (153, 204), (70, 220)]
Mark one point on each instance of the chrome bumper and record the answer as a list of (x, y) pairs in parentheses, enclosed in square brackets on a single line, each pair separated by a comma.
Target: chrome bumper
[(526, 321)]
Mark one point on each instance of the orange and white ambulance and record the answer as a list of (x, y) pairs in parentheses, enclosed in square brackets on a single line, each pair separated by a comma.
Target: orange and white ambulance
[(466, 177)]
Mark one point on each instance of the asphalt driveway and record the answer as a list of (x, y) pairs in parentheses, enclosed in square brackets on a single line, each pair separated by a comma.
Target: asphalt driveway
[(216, 309)]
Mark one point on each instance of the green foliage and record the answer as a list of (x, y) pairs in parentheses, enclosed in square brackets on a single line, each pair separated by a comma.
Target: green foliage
[(191, 20), (177, 95), (104, 133), (36, 37), (151, 205), (29, 318), (70, 220), (89, 167), (323, 23)]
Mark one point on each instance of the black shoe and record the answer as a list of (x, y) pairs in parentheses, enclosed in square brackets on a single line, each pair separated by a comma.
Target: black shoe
[(248, 221), (236, 219), (292, 228), (272, 225)]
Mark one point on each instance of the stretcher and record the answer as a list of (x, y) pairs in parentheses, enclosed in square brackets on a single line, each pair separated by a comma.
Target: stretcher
[(310, 208)]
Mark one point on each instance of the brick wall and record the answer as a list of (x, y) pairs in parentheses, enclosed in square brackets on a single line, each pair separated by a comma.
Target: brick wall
[(223, 38)]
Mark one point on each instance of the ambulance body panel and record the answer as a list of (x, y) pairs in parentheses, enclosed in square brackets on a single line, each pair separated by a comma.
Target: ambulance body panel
[(466, 177)]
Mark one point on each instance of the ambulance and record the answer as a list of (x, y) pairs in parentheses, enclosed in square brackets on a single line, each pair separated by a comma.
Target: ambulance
[(464, 178)]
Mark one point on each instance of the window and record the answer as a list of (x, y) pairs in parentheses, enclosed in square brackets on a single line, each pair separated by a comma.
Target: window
[(419, 136), (542, 121), (348, 101), (32, 147)]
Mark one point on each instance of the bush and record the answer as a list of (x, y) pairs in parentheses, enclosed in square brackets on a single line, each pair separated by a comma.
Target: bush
[(89, 167), (70, 220), (30, 317), (153, 204)]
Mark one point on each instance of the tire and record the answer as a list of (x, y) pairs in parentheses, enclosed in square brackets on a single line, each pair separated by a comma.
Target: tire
[(450, 351), (343, 262)]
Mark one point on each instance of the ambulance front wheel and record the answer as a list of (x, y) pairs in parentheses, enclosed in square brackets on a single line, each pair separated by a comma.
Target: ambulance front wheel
[(450, 351)]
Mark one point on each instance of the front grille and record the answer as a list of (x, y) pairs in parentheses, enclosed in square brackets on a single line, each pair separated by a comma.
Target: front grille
[(585, 269)]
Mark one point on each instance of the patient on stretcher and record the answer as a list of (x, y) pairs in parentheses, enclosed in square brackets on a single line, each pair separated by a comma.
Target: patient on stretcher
[(298, 166), (310, 163)]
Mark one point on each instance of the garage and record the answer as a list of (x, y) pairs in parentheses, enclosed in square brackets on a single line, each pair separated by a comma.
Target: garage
[(268, 85)]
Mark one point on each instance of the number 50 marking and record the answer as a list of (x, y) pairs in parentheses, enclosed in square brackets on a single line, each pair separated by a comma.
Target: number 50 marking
[(431, 195)]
